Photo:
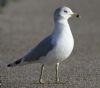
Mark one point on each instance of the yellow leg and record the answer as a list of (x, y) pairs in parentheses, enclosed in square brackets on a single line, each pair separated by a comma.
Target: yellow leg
[(40, 79), (57, 75)]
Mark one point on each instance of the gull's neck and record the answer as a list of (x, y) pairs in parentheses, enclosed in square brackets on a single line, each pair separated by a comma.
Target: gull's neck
[(62, 32), (62, 27)]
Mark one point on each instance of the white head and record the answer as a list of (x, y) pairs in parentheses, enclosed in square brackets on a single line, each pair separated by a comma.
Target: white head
[(64, 13)]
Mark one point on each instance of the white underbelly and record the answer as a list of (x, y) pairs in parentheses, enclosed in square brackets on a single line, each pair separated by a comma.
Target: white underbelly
[(63, 50)]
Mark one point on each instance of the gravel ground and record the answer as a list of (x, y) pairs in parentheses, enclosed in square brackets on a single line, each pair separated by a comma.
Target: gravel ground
[(24, 23)]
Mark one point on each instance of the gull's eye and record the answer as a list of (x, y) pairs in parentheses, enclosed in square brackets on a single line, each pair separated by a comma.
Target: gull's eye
[(65, 11)]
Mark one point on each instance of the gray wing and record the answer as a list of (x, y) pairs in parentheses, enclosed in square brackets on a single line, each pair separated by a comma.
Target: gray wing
[(40, 50)]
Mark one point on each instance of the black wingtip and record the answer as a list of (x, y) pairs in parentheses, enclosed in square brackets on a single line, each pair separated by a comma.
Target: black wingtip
[(14, 63), (9, 65)]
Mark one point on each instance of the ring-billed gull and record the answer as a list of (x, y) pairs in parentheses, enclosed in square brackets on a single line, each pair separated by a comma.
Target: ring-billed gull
[(56, 47)]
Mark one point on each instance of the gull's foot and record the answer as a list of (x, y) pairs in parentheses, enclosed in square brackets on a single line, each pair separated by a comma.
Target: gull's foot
[(41, 81), (60, 82)]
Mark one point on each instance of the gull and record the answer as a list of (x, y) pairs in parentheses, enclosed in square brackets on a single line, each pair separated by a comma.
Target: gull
[(56, 47)]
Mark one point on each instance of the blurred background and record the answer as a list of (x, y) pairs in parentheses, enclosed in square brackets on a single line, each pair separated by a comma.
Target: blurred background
[(23, 23)]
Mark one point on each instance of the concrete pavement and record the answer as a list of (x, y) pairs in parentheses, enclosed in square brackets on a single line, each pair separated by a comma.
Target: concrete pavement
[(19, 32)]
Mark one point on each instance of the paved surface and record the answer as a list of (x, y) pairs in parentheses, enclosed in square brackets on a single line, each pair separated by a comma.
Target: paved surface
[(19, 32)]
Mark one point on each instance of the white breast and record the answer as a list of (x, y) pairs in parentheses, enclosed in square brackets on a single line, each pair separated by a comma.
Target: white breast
[(63, 44)]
